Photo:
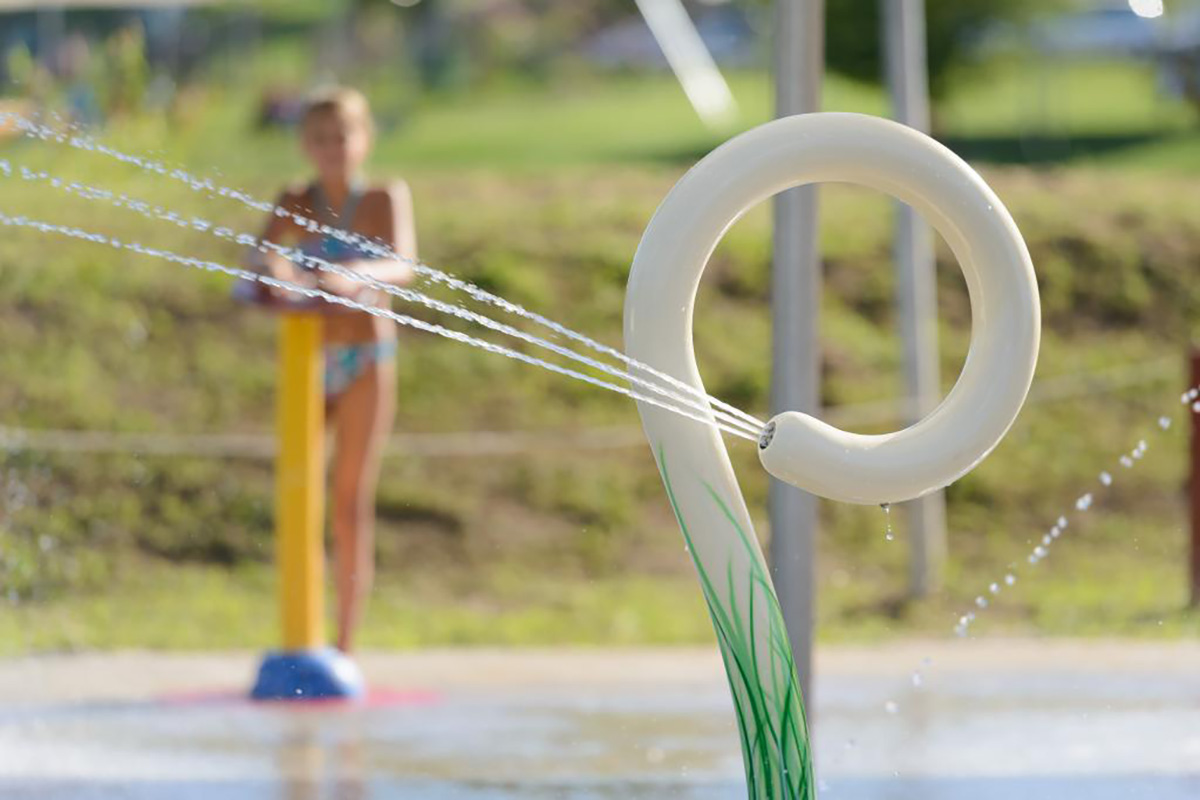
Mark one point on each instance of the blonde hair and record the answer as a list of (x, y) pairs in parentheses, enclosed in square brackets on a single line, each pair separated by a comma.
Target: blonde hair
[(341, 102)]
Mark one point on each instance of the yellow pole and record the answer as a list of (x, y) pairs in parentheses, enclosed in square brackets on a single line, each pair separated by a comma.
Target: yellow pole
[(300, 481)]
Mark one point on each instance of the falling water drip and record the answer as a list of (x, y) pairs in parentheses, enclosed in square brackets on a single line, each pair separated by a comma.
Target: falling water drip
[(1083, 503), (889, 535)]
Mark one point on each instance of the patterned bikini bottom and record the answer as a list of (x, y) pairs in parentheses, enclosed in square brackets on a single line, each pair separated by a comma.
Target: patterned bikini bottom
[(346, 363)]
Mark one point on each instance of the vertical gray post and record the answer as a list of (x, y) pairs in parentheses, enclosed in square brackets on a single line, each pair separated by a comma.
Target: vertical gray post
[(916, 281), (51, 24), (795, 304)]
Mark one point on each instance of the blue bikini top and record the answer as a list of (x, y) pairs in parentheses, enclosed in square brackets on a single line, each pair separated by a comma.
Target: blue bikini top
[(327, 247)]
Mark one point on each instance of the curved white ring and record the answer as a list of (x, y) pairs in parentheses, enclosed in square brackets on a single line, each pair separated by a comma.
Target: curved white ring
[(889, 157)]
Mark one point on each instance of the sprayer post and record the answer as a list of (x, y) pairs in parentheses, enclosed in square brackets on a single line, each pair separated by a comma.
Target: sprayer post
[(304, 668), (299, 500)]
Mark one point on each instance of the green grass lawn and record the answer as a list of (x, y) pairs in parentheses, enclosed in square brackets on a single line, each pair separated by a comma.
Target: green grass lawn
[(1024, 111), (541, 196)]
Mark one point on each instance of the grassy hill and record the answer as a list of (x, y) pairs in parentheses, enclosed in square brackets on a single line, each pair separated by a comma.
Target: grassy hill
[(135, 549)]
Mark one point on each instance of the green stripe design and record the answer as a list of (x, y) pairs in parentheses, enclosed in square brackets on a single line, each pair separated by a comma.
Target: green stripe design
[(766, 691)]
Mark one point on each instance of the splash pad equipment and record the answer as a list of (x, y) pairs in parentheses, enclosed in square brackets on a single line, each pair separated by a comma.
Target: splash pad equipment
[(797, 448), (707, 501), (304, 669)]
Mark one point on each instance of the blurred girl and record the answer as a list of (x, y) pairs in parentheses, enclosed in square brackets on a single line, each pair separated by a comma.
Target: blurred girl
[(360, 384)]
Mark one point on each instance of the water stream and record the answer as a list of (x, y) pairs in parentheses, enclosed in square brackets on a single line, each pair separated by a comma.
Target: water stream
[(214, 190)]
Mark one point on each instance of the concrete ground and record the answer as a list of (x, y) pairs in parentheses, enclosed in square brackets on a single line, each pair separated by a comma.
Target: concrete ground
[(998, 719)]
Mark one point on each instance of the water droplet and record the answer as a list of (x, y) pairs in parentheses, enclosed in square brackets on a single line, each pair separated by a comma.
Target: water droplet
[(1010, 579), (1084, 502), (887, 515), (1126, 462), (1047, 539), (1062, 523), (1164, 422), (994, 588), (1196, 407), (891, 707), (1106, 479), (1039, 551), (981, 601), (917, 680)]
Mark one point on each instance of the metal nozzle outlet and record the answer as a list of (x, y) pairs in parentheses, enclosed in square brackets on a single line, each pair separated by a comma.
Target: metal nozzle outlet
[(767, 435)]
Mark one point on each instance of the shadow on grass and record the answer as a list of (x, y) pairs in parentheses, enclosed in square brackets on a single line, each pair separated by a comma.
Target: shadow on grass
[(1034, 150), (1049, 149)]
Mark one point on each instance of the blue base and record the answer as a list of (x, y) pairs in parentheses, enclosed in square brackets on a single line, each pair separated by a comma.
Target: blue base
[(308, 675)]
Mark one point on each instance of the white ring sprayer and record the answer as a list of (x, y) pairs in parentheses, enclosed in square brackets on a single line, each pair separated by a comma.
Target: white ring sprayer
[(795, 447)]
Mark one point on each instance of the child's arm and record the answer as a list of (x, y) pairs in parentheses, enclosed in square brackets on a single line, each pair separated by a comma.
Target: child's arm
[(277, 228), (402, 238)]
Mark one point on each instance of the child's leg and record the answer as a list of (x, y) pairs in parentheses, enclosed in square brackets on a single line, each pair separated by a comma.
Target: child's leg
[(363, 417)]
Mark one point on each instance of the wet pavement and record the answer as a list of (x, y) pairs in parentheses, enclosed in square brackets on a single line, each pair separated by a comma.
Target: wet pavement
[(1009, 720)]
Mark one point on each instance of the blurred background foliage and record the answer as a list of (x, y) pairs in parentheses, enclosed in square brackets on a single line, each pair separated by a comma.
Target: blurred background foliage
[(539, 137)]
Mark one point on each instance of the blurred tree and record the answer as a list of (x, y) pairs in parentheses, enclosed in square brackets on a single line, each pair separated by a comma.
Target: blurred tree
[(1183, 70), (854, 46), (128, 73), (23, 71), (481, 36), (454, 41)]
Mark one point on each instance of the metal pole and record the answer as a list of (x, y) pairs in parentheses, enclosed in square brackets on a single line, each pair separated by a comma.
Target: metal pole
[(1195, 485), (51, 23), (795, 305), (916, 282)]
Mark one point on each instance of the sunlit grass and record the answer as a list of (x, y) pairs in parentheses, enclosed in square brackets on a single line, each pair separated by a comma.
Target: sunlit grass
[(541, 195)]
